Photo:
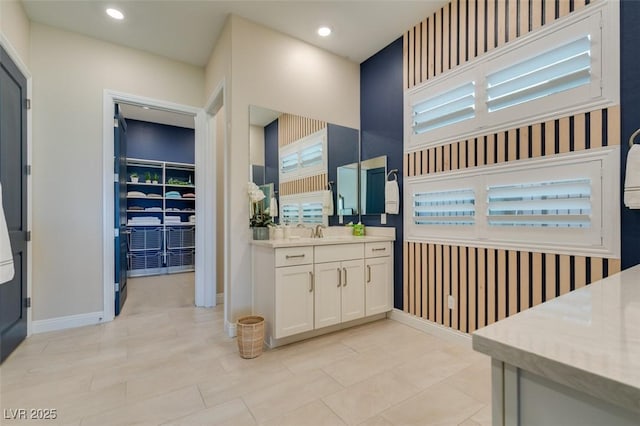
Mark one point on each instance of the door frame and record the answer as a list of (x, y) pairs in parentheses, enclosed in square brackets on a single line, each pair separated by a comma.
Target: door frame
[(216, 102), (204, 288), (15, 57)]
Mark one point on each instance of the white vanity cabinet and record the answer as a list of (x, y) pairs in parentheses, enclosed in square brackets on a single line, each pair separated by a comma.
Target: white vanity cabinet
[(339, 285), (378, 278), (307, 290), (294, 282)]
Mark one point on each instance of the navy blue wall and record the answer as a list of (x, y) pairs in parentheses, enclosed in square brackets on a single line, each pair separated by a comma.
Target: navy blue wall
[(630, 105), (271, 155), (381, 130), (152, 141), (342, 149)]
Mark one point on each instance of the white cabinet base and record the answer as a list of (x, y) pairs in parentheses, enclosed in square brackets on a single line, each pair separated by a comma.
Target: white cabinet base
[(272, 342), (520, 397)]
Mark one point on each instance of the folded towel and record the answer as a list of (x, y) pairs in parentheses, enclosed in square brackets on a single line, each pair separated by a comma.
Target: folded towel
[(632, 179), (189, 195), (327, 203), (136, 194), (391, 197), (273, 207), (6, 254), (154, 196), (172, 194)]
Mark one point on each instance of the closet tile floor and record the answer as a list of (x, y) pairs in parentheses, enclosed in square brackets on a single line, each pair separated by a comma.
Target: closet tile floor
[(164, 362)]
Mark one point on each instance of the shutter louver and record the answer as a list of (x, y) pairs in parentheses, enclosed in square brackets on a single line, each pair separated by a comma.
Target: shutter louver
[(442, 110), (554, 71), (444, 207), (559, 204)]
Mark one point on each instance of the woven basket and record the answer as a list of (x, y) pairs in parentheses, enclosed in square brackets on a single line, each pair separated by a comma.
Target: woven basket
[(250, 331)]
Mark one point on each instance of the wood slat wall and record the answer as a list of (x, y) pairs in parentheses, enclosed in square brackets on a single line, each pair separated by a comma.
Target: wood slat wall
[(491, 284), (592, 129), (308, 184), (293, 127), (465, 29)]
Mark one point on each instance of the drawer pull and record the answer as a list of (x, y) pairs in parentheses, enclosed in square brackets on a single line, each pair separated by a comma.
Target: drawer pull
[(379, 249), (368, 273), (294, 256), (344, 284), (311, 279), (339, 277)]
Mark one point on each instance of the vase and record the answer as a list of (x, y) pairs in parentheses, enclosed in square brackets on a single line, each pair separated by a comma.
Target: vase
[(260, 233)]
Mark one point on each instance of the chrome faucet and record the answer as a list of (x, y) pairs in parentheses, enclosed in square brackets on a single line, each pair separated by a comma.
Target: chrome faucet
[(318, 231)]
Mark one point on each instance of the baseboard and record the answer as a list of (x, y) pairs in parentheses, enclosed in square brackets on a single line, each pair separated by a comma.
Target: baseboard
[(70, 321), (220, 299), (430, 327), (230, 328)]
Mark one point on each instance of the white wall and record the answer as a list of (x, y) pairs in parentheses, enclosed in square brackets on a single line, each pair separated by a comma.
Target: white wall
[(15, 27), (70, 72), (281, 73), (256, 145)]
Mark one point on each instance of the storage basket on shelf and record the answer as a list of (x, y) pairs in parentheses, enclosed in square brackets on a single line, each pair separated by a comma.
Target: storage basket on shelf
[(250, 330)]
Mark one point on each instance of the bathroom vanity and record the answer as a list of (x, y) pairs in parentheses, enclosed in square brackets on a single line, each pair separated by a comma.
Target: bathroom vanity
[(574, 360), (304, 287)]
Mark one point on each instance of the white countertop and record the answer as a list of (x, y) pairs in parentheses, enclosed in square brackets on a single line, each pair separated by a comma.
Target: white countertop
[(306, 241), (588, 339), (332, 235)]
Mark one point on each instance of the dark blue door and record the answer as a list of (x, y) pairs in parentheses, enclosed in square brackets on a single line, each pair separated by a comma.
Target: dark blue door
[(375, 190), (13, 175), (120, 209)]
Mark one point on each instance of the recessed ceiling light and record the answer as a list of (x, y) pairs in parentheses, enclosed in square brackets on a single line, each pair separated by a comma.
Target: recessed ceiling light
[(324, 31), (115, 14)]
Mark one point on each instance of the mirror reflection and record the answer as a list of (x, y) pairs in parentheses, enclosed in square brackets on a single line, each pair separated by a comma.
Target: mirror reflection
[(373, 177), (348, 189), (297, 160)]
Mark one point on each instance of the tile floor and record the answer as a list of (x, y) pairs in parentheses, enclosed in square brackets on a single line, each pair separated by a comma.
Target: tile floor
[(164, 362)]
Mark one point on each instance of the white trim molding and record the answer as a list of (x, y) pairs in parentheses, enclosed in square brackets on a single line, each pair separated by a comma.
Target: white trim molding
[(70, 321), (202, 280), (429, 327)]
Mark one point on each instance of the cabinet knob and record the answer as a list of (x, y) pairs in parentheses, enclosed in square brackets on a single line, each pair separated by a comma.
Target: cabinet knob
[(368, 273), (339, 277), (344, 284), (311, 279)]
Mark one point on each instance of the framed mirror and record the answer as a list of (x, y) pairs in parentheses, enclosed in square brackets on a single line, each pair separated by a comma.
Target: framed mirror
[(298, 159)]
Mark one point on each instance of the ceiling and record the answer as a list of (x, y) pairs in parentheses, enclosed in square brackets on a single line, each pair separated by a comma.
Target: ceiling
[(186, 30)]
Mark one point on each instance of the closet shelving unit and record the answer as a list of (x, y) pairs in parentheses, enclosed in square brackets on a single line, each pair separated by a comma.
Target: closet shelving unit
[(160, 217)]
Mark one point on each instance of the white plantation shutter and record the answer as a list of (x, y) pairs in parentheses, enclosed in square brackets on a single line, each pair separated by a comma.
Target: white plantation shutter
[(456, 207), (312, 212), (450, 107), (554, 71), (553, 204), (568, 203)]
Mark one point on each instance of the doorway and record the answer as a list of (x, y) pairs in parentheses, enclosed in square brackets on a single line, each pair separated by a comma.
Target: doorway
[(154, 203), (202, 279)]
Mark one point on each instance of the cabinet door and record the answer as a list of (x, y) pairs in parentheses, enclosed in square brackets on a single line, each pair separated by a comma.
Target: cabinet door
[(294, 300), (378, 277), (327, 293), (352, 290)]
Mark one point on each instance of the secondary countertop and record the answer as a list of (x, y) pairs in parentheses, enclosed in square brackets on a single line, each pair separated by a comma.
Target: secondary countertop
[(588, 339)]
